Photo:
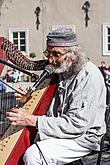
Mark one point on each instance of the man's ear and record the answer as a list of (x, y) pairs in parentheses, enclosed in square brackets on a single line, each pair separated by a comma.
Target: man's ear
[(74, 54)]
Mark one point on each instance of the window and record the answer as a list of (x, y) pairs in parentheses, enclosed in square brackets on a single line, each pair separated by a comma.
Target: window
[(106, 39), (19, 37)]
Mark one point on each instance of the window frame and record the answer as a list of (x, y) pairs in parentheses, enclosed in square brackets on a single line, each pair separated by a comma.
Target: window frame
[(26, 30), (105, 27)]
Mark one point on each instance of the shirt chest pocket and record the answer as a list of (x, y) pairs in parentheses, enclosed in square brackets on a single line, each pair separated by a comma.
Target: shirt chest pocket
[(78, 100)]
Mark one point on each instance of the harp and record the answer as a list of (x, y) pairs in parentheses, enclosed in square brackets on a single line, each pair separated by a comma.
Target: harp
[(16, 139)]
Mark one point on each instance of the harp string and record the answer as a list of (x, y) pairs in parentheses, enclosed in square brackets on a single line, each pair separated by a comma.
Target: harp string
[(7, 98)]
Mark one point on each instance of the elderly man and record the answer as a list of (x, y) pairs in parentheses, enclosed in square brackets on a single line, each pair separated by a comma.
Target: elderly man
[(74, 123)]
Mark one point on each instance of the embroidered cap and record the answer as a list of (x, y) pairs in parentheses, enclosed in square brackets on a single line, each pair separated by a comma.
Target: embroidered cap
[(62, 37)]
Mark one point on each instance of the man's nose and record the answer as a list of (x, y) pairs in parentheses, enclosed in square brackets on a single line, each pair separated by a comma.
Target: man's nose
[(51, 59)]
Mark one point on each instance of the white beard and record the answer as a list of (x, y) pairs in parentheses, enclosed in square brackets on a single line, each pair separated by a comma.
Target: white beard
[(64, 67)]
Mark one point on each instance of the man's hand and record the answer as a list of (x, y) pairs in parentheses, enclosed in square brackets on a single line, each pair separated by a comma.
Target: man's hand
[(20, 97), (19, 116)]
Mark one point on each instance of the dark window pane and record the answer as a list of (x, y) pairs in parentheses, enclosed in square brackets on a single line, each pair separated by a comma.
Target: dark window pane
[(22, 34), (15, 34), (22, 41), (22, 48), (108, 46), (15, 42), (108, 30)]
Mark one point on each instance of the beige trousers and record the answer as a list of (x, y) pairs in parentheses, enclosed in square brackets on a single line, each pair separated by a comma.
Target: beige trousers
[(55, 152)]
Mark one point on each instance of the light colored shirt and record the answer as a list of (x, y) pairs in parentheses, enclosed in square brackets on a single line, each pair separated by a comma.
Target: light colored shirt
[(82, 109)]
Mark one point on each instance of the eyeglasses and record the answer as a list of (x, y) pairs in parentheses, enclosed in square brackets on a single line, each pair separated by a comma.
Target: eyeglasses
[(54, 53)]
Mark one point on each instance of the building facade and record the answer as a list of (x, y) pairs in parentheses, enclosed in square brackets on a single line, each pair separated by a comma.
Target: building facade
[(27, 22)]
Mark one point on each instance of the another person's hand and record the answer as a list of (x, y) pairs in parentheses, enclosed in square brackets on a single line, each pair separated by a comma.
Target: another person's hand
[(19, 116)]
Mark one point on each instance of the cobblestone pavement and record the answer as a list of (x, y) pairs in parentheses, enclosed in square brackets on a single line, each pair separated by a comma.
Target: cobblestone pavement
[(91, 160), (105, 159)]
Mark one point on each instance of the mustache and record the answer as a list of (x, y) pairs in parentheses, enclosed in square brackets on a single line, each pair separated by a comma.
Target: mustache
[(56, 64)]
